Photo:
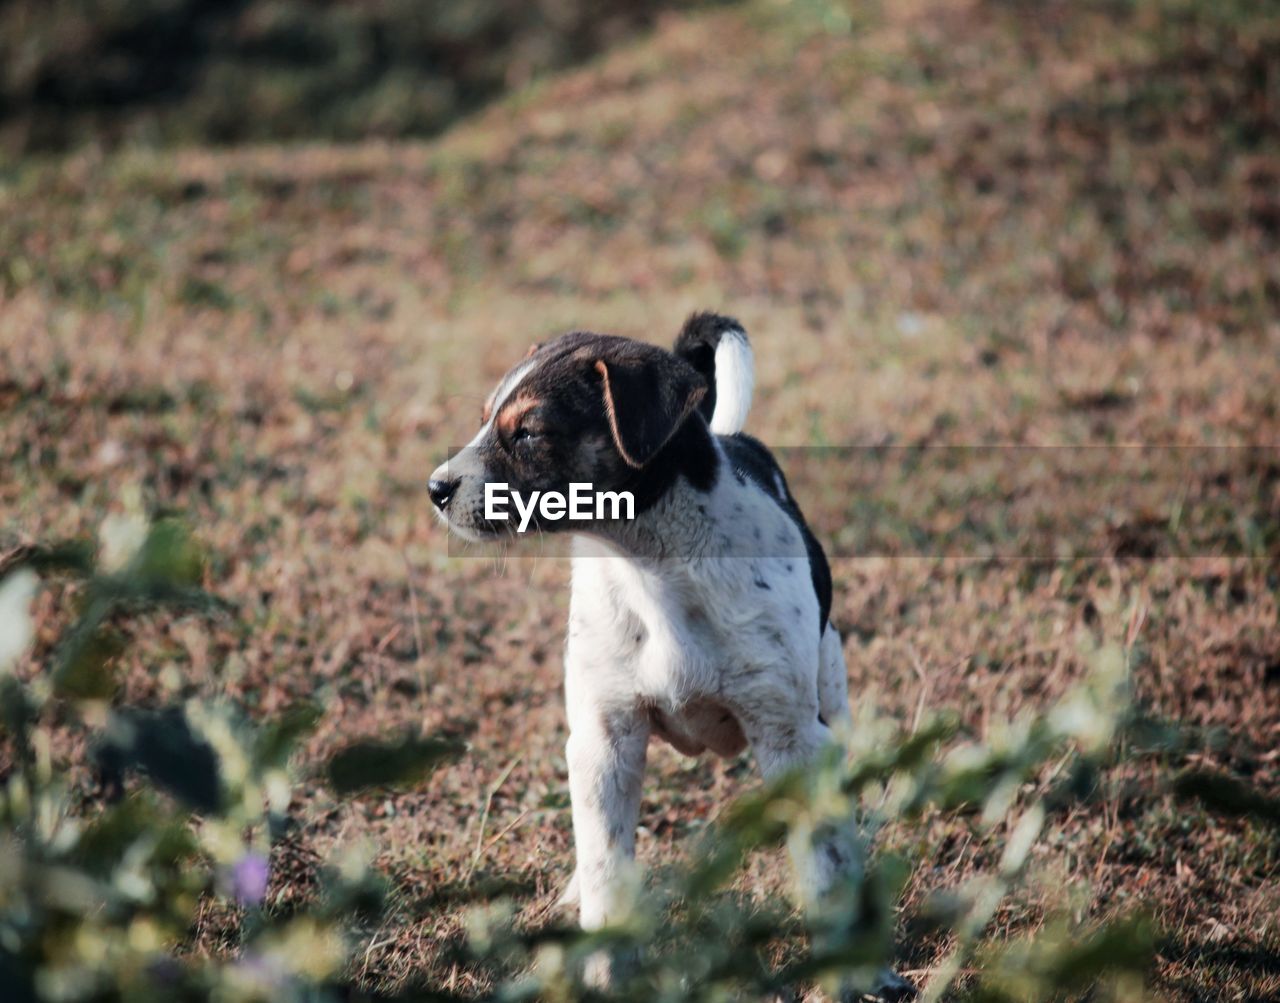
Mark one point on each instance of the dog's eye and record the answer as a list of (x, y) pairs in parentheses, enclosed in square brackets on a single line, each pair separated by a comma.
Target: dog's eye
[(523, 434)]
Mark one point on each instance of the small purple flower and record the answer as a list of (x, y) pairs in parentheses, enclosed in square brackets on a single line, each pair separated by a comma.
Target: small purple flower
[(249, 878)]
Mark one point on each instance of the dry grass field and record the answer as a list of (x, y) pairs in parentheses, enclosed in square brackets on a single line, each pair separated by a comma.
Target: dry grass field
[(942, 223)]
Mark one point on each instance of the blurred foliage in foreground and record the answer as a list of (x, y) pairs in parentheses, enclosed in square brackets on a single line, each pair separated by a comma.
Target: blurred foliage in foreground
[(101, 880), (220, 72)]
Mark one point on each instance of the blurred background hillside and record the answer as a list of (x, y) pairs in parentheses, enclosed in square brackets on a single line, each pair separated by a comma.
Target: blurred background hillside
[(225, 71)]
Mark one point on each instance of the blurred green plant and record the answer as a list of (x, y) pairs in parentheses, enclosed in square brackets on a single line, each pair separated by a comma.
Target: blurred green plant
[(100, 887), (712, 949), (97, 887)]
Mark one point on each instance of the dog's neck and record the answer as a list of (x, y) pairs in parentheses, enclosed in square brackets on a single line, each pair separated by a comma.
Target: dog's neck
[(671, 528), (672, 495)]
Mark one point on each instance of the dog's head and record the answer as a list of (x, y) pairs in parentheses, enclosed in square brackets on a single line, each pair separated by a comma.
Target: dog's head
[(585, 408)]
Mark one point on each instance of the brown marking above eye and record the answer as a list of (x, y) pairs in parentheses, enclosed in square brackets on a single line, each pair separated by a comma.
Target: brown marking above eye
[(510, 415)]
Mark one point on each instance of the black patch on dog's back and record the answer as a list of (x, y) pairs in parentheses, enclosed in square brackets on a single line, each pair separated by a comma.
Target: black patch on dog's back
[(750, 458)]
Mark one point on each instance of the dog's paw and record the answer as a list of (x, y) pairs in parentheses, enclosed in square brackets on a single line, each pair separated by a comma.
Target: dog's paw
[(607, 968), (597, 971)]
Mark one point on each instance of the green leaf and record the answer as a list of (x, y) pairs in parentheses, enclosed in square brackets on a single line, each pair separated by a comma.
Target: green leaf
[(162, 745), (911, 754), (122, 827), (377, 764), (169, 556), (75, 556), (83, 671), (1125, 945), (1226, 795), (276, 740), (17, 715)]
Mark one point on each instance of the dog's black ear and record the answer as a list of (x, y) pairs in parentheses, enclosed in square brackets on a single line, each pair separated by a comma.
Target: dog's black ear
[(648, 394)]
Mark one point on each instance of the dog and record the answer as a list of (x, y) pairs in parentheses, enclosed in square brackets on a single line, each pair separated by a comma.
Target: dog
[(703, 620)]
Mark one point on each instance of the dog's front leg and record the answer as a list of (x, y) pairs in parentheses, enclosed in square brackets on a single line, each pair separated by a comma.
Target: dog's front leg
[(606, 757)]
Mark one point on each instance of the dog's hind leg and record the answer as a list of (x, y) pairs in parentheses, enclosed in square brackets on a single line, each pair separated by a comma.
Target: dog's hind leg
[(836, 855), (830, 861), (833, 681)]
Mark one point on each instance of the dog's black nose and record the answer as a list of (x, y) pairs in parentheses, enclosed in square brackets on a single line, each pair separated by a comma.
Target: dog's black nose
[(441, 491)]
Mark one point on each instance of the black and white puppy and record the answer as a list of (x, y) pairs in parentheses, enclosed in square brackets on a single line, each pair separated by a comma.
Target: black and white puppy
[(703, 620)]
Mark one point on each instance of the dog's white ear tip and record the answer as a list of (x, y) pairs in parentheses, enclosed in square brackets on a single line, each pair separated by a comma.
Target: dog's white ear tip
[(735, 382)]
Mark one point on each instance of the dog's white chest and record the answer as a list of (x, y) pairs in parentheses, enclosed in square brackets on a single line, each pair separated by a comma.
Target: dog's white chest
[(691, 643), (672, 660), (654, 629)]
